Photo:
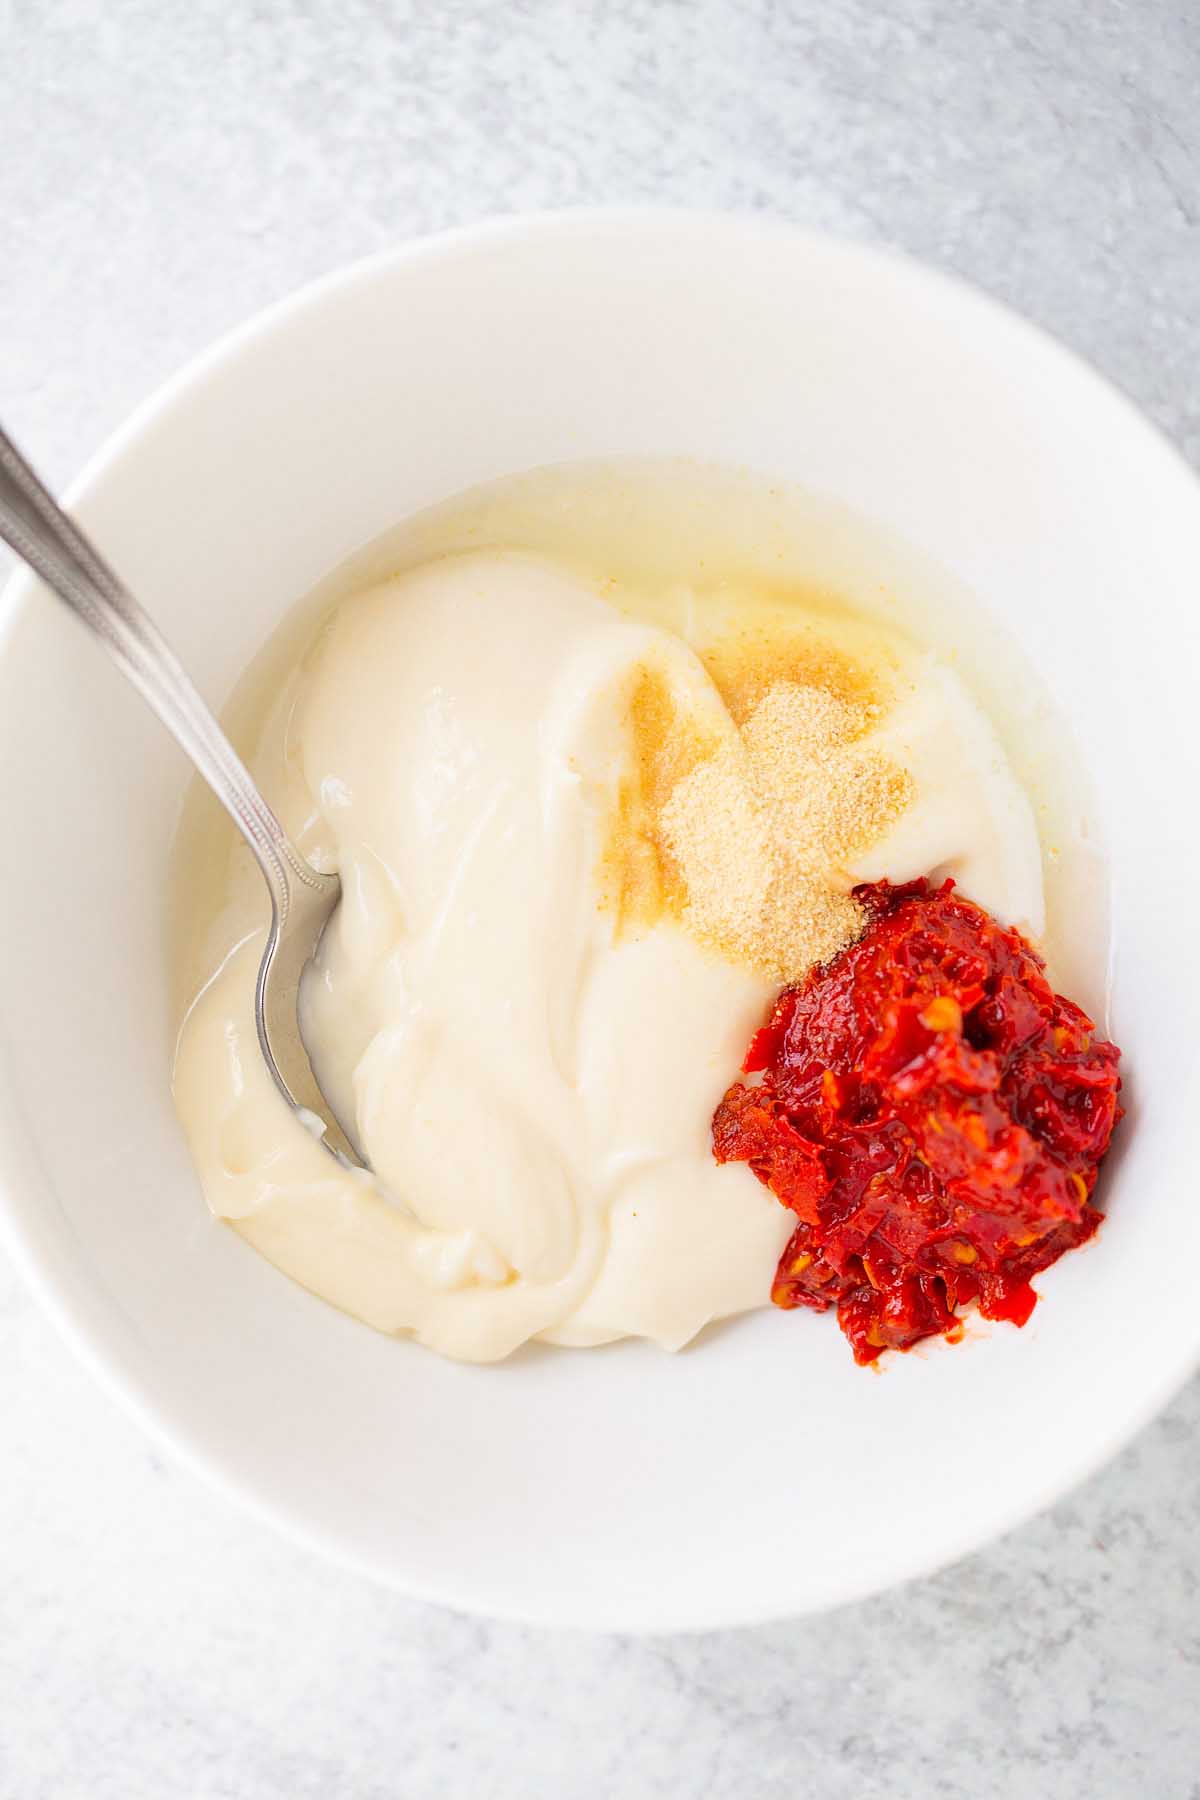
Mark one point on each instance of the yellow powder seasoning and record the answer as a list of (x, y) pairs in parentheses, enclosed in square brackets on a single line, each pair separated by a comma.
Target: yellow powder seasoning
[(639, 879), (744, 836)]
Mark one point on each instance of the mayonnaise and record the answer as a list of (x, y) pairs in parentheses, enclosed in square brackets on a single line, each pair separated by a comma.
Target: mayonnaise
[(532, 1088)]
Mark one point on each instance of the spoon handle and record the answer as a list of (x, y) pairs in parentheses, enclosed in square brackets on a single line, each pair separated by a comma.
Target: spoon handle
[(35, 526)]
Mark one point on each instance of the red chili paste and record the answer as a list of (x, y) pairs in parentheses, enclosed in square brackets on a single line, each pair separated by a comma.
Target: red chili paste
[(934, 1115)]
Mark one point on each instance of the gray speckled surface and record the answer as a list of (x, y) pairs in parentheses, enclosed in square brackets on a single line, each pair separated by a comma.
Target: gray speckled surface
[(167, 170)]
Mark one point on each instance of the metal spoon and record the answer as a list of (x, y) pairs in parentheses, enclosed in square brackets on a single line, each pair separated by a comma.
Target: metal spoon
[(302, 899)]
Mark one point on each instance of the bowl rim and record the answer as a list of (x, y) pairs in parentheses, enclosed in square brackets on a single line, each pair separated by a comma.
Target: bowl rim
[(75, 1313)]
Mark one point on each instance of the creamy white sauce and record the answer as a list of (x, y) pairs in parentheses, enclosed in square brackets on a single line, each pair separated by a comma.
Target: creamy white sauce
[(533, 1091)]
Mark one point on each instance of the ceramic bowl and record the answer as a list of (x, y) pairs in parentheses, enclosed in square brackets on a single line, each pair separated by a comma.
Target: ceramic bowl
[(760, 1473)]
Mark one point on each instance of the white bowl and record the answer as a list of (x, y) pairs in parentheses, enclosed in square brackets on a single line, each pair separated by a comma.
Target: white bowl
[(760, 1473)]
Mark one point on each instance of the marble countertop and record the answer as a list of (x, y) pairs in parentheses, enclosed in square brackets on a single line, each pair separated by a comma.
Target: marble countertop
[(167, 171)]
